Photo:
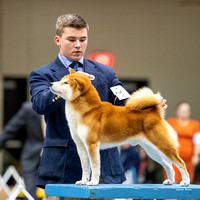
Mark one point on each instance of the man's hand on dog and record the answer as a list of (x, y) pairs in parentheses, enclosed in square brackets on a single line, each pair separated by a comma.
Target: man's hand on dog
[(162, 105)]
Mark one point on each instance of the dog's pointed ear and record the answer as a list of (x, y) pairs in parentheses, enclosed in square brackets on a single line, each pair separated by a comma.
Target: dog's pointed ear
[(90, 76), (78, 83), (71, 70)]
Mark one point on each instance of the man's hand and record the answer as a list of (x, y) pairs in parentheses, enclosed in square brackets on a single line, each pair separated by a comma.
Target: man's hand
[(162, 105)]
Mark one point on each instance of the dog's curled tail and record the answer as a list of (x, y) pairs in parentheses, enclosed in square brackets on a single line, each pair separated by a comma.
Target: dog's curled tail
[(142, 99)]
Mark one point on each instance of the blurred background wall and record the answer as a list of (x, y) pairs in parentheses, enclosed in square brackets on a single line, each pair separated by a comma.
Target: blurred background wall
[(155, 40)]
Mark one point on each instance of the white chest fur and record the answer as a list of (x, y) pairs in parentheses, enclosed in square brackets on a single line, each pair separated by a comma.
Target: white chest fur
[(78, 131), (72, 118)]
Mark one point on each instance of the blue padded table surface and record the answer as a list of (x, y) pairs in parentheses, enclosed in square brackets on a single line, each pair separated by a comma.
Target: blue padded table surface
[(135, 191)]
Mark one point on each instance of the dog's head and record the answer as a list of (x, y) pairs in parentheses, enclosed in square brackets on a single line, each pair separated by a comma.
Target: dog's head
[(72, 85)]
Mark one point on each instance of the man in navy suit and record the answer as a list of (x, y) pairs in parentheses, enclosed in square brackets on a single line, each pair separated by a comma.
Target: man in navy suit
[(60, 162)]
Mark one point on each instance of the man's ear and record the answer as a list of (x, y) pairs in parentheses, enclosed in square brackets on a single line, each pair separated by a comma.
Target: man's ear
[(57, 40), (78, 83), (71, 70)]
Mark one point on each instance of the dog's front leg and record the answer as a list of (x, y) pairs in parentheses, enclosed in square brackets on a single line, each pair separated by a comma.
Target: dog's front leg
[(85, 165), (82, 152), (94, 156)]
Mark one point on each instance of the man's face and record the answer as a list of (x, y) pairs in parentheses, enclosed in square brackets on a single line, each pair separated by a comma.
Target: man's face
[(72, 43)]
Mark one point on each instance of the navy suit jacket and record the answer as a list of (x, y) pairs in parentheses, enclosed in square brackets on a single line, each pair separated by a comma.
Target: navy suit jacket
[(60, 162)]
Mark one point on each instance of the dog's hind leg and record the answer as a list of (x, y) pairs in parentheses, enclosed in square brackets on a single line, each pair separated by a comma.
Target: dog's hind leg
[(160, 158), (170, 172), (166, 161), (179, 163)]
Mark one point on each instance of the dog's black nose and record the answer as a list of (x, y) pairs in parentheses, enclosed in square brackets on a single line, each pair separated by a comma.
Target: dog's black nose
[(51, 84)]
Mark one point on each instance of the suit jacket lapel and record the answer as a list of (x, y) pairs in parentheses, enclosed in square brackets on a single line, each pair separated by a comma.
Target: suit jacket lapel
[(58, 69), (90, 68)]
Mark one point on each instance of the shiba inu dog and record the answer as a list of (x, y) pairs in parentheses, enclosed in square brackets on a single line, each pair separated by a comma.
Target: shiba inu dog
[(96, 125)]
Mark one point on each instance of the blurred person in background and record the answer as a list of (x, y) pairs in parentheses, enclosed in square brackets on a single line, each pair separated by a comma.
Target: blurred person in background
[(188, 134), (32, 144)]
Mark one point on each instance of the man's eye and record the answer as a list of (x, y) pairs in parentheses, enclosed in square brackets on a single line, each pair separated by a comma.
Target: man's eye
[(83, 40), (71, 40)]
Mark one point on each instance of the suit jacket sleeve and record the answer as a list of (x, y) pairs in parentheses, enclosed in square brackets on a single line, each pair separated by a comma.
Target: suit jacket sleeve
[(40, 91), (107, 78), (115, 82), (13, 127)]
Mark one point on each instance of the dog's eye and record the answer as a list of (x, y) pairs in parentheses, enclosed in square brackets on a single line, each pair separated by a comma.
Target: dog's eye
[(65, 82)]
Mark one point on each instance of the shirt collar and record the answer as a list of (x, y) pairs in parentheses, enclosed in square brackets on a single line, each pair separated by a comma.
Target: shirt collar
[(67, 61)]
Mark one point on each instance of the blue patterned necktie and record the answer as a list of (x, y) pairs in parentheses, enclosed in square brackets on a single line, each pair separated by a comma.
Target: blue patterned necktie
[(75, 66)]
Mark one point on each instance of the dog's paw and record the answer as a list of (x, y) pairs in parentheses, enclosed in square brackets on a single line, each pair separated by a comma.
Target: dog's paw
[(81, 182), (184, 183), (168, 182), (92, 183)]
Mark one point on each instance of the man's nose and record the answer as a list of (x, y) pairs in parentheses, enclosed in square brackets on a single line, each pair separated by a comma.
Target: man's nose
[(77, 44)]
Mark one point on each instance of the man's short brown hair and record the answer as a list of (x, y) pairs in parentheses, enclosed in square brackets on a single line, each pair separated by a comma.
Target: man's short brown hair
[(70, 20)]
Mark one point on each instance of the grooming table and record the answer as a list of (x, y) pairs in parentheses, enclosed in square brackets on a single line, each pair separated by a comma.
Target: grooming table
[(133, 191)]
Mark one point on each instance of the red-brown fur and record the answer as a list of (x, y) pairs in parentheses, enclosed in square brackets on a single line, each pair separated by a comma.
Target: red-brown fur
[(105, 123)]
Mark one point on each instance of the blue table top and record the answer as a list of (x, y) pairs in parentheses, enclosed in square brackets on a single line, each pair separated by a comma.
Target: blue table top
[(136, 191)]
